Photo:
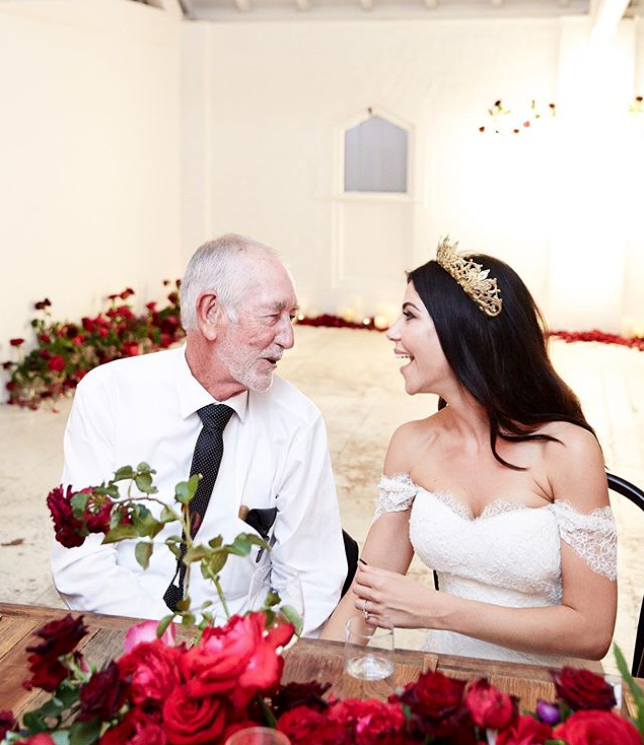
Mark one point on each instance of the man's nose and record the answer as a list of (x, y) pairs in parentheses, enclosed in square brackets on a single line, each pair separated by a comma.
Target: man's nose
[(285, 336)]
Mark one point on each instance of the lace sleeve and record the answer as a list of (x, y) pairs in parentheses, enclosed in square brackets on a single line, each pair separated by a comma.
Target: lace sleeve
[(395, 494), (593, 536)]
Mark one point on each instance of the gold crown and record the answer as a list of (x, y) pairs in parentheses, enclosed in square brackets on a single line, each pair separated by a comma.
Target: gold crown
[(471, 277)]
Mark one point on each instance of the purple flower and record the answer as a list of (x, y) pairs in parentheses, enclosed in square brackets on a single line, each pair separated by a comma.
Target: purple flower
[(548, 713)]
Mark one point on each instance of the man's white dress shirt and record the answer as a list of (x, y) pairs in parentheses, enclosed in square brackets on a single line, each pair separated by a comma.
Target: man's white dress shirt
[(275, 455)]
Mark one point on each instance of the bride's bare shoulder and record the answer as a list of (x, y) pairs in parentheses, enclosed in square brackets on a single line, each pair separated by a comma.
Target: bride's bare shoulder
[(409, 440)]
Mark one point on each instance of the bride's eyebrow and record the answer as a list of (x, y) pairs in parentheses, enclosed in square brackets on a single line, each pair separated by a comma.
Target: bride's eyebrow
[(410, 305)]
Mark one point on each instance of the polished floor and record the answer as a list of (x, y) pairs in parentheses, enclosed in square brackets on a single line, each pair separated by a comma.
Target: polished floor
[(354, 379)]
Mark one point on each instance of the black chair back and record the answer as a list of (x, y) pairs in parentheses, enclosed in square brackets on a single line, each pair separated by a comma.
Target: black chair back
[(636, 495)]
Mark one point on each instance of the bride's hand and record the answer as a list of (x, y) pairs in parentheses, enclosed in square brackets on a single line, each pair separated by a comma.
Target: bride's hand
[(407, 603)]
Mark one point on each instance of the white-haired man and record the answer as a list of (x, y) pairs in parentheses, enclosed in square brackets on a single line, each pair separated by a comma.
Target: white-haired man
[(238, 302)]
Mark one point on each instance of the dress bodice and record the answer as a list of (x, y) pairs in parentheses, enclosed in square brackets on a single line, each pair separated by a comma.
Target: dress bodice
[(510, 555)]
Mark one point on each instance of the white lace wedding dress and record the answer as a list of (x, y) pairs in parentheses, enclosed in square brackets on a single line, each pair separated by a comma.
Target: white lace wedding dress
[(510, 555)]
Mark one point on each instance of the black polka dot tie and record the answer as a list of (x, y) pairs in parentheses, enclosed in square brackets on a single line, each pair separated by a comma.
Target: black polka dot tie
[(206, 460)]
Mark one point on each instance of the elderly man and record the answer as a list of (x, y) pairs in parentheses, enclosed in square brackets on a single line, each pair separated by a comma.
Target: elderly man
[(238, 303)]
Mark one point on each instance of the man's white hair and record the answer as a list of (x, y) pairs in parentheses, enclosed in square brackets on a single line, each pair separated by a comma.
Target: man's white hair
[(221, 265)]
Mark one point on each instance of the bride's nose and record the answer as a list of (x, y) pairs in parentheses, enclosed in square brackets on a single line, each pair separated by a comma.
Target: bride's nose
[(393, 332)]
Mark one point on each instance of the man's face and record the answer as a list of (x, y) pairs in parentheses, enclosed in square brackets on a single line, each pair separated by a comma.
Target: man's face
[(251, 346)]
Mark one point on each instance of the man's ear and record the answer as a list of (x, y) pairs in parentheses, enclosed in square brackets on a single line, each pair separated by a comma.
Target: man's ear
[(209, 313)]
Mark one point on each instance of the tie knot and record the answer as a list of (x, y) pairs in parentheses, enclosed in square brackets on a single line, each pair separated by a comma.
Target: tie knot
[(215, 417)]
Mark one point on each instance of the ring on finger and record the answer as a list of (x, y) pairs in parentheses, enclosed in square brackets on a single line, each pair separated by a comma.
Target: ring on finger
[(365, 612)]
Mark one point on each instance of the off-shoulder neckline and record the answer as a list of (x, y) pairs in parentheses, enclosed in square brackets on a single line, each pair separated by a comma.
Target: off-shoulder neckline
[(494, 508)]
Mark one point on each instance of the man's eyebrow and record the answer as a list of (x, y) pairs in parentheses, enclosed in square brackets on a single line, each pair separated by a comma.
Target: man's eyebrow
[(281, 304)]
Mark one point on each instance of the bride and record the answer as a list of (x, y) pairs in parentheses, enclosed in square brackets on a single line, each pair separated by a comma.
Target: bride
[(502, 492)]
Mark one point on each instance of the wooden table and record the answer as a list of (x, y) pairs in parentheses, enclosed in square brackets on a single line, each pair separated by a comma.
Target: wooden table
[(307, 660)]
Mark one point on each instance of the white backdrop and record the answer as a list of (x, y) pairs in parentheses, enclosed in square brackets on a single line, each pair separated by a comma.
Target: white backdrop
[(130, 136)]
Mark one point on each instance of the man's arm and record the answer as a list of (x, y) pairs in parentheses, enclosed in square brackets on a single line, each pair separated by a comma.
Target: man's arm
[(88, 577), (308, 529)]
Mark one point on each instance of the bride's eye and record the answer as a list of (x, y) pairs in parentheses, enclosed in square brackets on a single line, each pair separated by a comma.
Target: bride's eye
[(408, 315)]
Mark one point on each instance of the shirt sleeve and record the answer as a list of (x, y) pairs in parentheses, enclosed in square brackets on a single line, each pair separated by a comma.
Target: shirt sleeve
[(395, 494), (593, 536), (88, 577), (308, 532)]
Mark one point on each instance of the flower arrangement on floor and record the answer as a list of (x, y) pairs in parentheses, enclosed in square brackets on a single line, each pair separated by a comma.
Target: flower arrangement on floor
[(65, 352), (159, 692)]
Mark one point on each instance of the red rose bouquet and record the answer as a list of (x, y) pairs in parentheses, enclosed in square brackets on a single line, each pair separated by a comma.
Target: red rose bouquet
[(159, 692)]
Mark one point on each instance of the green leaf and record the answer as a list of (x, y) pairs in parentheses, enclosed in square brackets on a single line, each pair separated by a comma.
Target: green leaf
[(123, 473), (215, 564), (142, 552), (184, 605), (79, 503), (144, 467), (107, 491), (272, 598), (145, 522), (183, 492), (188, 619), (291, 615), (242, 544), (168, 515), (121, 533), (636, 691), (216, 541), (144, 483), (61, 737), (85, 733), (174, 547), (34, 722), (196, 553), (163, 624)]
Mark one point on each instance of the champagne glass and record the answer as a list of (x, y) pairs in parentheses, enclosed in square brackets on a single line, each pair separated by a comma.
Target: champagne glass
[(278, 588), (368, 649)]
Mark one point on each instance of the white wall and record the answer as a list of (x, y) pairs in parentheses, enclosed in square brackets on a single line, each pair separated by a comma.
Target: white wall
[(267, 136), (89, 165)]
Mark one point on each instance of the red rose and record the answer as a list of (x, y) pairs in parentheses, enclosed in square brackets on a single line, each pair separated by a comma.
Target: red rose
[(89, 324), (153, 671), (78, 340), (42, 304), (434, 695), (59, 638), (436, 704), (525, 731), (188, 720), (131, 348), (237, 659), (56, 363), (151, 306), (136, 728), (7, 723), (489, 707), (597, 728), (300, 694), (44, 338), (42, 738), (98, 512), (304, 726), (66, 526), (582, 689), (16, 342), (372, 722), (103, 695)]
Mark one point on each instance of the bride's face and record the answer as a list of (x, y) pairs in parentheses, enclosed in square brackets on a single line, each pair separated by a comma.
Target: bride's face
[(415, 340)]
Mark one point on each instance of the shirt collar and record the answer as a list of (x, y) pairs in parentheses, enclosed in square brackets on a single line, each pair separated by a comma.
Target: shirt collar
[(192, 395)]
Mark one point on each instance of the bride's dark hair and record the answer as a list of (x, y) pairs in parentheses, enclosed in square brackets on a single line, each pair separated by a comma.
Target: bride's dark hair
[(502, 361)]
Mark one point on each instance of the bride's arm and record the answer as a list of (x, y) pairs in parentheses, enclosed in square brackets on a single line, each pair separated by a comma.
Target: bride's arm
[(387, 544), (582, 626)]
